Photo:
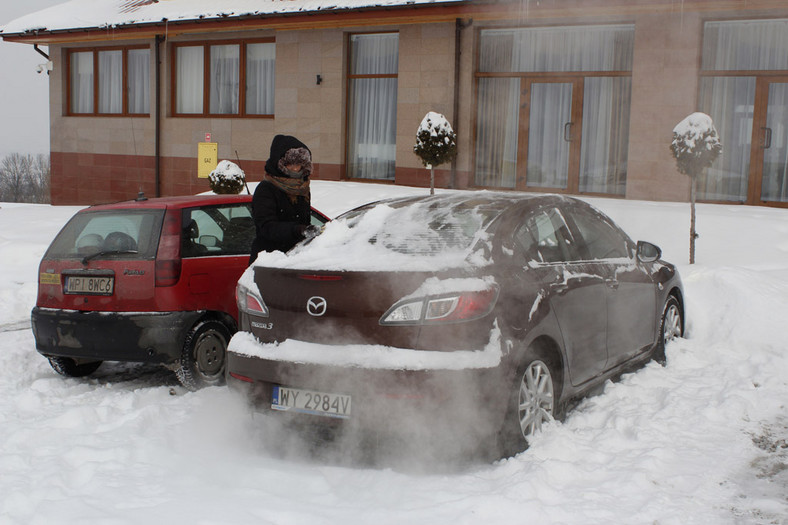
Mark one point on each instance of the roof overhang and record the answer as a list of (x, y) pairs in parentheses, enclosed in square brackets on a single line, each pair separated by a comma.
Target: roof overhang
[(364, 16), (515, 11)]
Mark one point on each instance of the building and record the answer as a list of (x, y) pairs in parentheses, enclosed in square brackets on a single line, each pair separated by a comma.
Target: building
[(575, 96)]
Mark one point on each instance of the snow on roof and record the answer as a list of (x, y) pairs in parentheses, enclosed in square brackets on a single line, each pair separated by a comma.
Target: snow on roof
[(87, 14)]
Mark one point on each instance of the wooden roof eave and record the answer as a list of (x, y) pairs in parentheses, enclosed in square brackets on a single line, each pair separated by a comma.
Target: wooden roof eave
[(478, 10), (280, 21)]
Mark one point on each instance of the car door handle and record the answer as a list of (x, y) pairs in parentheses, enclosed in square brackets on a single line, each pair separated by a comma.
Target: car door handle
[(612, 283)]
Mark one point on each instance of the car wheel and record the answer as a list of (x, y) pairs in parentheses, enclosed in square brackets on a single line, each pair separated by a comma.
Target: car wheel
[(671, 327), (534, 401), (203, 357), (66, 366)]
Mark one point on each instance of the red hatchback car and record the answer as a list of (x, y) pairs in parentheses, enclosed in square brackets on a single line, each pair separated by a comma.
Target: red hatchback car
[(149, 280)]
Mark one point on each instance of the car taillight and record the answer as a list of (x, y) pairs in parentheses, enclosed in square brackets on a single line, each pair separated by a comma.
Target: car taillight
[(446, 308), (168, 256), (250, 301)]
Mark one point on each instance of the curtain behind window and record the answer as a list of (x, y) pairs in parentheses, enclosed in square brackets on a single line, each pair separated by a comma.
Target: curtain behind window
[(110, 81), (496, 140), (81, 77), (190, 79), (373, 106), (603, 154), (557, 49), (730, 103), (260, 78), (745, 45), (139, 81), (225, 79)]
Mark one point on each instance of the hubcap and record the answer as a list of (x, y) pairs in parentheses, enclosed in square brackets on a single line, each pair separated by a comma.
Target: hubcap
[(209, 352), (672, 325), (536, 398)]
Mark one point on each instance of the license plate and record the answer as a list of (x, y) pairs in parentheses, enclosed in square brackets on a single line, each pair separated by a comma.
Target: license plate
[(89, 285), (311, 402)]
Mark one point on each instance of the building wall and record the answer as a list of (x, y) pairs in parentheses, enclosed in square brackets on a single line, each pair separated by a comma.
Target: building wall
[(664, 91), (100, 159)]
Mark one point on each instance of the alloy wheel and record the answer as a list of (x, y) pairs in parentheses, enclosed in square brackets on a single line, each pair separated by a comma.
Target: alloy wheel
[(536, 398)]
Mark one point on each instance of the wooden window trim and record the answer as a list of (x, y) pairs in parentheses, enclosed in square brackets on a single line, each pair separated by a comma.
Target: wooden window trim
[(206, 45), (124, 79), (567, 76)]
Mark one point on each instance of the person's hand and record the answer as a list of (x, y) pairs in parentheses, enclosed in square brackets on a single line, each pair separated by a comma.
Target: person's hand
[(310, 231)]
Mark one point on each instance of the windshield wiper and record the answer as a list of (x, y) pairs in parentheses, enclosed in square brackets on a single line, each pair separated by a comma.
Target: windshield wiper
[(92, 256)]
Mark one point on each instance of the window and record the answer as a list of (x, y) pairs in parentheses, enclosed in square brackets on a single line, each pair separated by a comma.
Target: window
[(545, 238), (372, 120), (571, 85), (218, 230), (113, 81), (744, 88), (602, 240), (235, 78)]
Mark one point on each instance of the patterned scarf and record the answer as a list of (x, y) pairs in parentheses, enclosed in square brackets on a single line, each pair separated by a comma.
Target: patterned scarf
[(294, 188)]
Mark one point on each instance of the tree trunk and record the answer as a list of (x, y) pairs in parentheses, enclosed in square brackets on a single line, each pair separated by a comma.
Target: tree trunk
[(693, 234), (432, 180)]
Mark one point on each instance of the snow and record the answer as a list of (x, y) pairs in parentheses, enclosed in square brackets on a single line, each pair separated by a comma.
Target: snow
[(385, 238), (370, 357), (699, 441), (696, 128), (83, 14)]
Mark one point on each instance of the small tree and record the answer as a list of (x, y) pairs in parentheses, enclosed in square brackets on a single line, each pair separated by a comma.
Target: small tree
[(227, 178), (695, 146), (436, 143)]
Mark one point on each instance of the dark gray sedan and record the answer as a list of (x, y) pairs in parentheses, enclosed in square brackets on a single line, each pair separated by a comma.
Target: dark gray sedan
[(479, 314)]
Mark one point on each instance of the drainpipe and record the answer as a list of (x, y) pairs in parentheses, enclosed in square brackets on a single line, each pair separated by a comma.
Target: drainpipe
[(38, 50), (157, 110), (458, 27)]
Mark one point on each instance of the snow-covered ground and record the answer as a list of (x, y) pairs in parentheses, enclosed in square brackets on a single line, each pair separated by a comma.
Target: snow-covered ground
[(700, 441)]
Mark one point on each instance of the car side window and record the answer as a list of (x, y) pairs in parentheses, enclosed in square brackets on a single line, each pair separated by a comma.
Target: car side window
[(601, 239), (545, 237), (217, 230)]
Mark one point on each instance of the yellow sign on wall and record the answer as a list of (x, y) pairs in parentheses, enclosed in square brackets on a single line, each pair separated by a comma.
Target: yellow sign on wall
[(207, 158)]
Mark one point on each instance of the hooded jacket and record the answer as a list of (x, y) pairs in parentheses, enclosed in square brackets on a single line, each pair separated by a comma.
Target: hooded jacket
[(279, 220)]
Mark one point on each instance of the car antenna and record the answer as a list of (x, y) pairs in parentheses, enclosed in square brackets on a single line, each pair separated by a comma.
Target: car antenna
[(239, 165)]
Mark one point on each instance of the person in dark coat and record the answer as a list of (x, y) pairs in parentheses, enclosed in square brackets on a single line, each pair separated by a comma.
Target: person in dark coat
[(281, 202)]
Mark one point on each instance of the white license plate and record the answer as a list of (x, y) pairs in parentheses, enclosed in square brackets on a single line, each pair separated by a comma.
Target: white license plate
[(311, 402), (90, 285)]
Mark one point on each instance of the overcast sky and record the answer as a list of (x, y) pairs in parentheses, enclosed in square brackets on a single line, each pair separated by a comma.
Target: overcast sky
[(24, 94)]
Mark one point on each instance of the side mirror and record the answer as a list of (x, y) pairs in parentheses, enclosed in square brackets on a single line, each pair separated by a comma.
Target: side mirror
[(648, 252)]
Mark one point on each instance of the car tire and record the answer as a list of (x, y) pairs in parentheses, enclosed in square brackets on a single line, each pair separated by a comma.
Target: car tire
[(66, 366), (671, 326), (534, 401), (204, 355)]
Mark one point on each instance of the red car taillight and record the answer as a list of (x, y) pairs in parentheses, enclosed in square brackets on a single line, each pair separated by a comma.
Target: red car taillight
[(168, 256), (446, 308)]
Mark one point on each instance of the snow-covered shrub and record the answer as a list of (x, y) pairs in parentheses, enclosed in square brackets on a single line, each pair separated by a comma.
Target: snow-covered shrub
[(227, 178), (695, 146), (436, 143)]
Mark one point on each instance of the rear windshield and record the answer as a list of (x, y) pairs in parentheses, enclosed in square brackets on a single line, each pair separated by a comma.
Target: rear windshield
[(109, 234), (426, 227)]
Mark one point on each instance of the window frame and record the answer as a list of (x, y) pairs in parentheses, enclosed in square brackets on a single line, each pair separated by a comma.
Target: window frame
[(525, 80), (206, 94), (70, 112)]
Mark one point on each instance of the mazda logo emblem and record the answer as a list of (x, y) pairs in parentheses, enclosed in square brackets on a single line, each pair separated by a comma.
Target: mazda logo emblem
[(316, 306)]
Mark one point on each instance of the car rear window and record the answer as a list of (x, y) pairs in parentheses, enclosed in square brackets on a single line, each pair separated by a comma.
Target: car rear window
[(109, 233), (428, 227)]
